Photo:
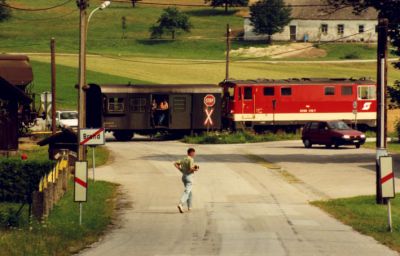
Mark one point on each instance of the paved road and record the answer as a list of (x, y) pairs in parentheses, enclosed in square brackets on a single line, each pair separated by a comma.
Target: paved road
[(241, 207)]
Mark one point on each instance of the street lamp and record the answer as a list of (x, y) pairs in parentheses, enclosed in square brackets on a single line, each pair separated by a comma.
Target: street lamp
[(83, 24), (103, 6)]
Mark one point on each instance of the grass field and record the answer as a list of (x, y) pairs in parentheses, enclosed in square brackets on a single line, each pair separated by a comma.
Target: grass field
[(181, 71), (35, 152), (393, 147), (31, 32), (61, 234), (366, 217), (67, 77)]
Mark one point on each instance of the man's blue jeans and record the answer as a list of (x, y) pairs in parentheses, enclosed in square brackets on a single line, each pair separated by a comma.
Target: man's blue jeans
[(187, 180)]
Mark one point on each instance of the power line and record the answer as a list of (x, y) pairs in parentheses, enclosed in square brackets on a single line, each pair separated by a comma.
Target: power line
[(36, 9), (205, 5), (44, 19)]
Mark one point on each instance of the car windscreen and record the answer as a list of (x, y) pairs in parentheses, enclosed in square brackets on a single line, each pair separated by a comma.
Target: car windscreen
[(338, 125), (69, 115)]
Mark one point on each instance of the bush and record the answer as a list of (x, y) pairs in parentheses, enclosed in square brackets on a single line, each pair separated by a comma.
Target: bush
[(18, 179), (9, 218), (352, 56)]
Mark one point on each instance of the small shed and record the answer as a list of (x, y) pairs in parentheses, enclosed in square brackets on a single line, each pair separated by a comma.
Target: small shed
[(15, 75), (65, 139)]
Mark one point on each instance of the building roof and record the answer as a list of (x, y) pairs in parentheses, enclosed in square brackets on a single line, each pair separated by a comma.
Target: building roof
[(16, 69), (298, 81), (160, 88), (326, 13), (65, 137)]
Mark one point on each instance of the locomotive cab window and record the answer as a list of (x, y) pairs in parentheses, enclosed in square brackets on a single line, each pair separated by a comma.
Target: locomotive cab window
[(248, 93), (347, 90), (286, 91), (116, 105), (269, 91), (330, 91), (366, 93)]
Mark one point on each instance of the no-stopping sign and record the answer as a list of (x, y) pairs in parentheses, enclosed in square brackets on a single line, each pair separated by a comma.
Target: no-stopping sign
[(209, 100)]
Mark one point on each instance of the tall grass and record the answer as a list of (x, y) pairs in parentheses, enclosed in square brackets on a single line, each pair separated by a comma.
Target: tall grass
[(61, 234), (238, 137)]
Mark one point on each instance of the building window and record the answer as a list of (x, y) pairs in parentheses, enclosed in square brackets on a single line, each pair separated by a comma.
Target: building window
[(361, 29), (269, 91), (329, 91), (138, 104), (248, 93), (286, 91), (340, 29), (116, 105), (347, 90), (179, 104), (324, 29)]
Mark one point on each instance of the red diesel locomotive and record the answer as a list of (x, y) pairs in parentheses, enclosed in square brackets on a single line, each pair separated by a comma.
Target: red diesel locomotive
[(293, 102)]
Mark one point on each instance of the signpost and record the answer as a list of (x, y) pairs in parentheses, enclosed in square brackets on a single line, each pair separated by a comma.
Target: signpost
[(355, 112), (387, 183), (80, 185), (209, 103), (92, 138), (46, 103)]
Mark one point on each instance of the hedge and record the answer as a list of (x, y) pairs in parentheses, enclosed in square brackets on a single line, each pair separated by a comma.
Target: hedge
[(18, 179)]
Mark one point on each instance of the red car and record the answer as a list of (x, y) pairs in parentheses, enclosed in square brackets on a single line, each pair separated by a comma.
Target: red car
[(331, 133)]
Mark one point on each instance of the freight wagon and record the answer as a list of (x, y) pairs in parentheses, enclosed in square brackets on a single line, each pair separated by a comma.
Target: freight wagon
[(126, 109)]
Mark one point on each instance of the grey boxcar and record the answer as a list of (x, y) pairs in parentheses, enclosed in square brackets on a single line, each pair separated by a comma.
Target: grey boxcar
[(129, 108)]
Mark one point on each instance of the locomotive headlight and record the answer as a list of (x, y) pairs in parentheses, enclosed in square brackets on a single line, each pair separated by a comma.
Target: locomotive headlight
[(346, 137), (362, 136)]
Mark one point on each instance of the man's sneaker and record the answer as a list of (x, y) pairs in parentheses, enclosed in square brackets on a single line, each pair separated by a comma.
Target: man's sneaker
[(189, 209), (180, 208)]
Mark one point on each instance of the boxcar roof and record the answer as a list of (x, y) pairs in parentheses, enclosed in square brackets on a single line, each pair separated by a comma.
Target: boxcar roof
[(298, 81), (16, 69), (160, 88)]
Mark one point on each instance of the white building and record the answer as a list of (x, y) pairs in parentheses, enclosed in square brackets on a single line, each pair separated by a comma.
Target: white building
[(319, 24)]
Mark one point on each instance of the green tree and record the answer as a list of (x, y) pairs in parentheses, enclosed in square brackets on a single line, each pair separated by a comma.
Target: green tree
[(227, 3), (5, 13), (269, 16), (171, 21), (389, 9)]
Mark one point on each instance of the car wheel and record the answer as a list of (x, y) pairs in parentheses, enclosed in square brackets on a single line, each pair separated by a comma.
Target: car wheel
[(358, 145), (307, 143)]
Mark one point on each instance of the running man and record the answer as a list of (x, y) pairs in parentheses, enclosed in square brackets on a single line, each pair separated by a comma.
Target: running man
[(187, 167)]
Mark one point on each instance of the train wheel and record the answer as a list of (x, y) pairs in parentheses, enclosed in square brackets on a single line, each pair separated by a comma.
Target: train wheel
[(123, 135), (307, 143)]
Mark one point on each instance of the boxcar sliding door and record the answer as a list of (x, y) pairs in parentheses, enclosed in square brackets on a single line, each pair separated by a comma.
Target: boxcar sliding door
[(180, 113)]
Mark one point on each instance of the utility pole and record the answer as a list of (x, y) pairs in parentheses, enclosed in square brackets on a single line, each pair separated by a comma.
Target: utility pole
[(381, 118), (228, 50), (53, 85), (82, 5)]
